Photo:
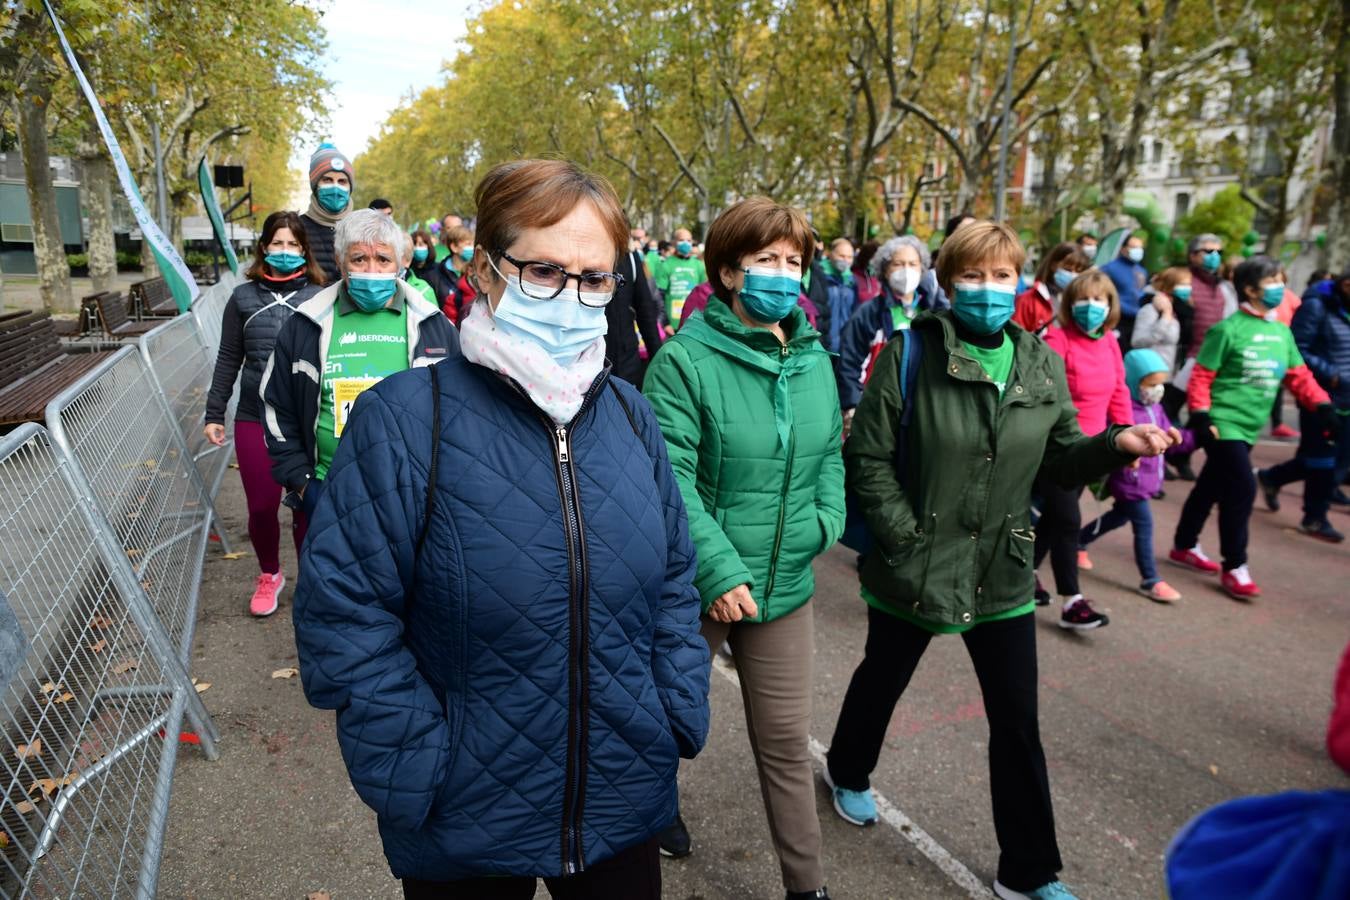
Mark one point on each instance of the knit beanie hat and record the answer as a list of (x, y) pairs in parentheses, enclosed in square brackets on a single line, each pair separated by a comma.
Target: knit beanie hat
[(328, 159), (1139, 364)]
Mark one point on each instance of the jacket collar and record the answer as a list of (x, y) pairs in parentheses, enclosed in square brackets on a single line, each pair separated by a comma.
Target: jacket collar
[(964, 367), (719, 328)]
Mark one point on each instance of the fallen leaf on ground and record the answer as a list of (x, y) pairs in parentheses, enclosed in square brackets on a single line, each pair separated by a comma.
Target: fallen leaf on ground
[(318, 895), (24, 807), (46, 785), (288, 672), (65, 697), (104, 621), (151, 463), (201, 686), (48, 687), (70, 779), (1214, 770), (98, 646), (126, 666), (29, 751), (238, 554), (234, 465), (133, 552), (4, 840)]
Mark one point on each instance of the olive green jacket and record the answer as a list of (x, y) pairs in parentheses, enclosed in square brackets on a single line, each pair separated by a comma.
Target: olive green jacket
[(753, 430), (954, 542)]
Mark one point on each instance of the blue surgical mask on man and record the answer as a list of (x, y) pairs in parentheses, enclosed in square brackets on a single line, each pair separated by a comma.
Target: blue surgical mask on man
[(1272, 295), (1211, 261), (1135, 254), (333, 197), (684, 248), (983, 307), (371, 290), (768, 295)]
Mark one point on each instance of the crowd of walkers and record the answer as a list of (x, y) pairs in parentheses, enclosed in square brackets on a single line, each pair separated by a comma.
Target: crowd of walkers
[(542, 467)]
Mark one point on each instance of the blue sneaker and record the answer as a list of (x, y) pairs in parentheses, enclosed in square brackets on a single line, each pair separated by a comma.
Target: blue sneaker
[(1055, 890), (854, 807)]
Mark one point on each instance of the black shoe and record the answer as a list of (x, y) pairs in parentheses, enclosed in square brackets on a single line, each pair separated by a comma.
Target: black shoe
[(1160, 495), (1184, 470), (1270, 492), (1322, 531), (674, 839), (1042, 595), (1338, 498), (818, 894), (1168, 474)]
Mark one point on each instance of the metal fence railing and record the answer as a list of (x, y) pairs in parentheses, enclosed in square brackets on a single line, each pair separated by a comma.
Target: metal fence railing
[(93, 686)]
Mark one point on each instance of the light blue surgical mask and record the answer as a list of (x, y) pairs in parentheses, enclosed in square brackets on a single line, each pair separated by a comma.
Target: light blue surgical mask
[(1091, 316), (983, 307), (466, 254), (420, 254), (768, 295), (1212, 261), (562, 326), (1182, 292), (684, 248), (333, 197), (285, 263), (1135, 254), (1064, 278), (1272, 295), (371, 290)]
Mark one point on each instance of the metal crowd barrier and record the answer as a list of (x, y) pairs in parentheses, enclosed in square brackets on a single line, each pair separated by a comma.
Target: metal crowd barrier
[(92, 679)]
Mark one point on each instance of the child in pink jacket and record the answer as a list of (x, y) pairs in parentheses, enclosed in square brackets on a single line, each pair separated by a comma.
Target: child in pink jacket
[(1083, 337)]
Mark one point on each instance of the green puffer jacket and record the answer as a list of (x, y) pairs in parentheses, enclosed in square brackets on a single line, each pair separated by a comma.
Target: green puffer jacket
[(956, 540), (753, 429)]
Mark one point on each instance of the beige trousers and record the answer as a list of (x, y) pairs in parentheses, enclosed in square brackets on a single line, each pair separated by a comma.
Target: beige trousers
[(775, 661)]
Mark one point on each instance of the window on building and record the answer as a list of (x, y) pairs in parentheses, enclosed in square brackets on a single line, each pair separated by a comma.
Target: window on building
[(1157, 153), (1183, 205)]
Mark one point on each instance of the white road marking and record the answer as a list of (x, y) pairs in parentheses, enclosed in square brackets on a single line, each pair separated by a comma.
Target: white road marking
[(889, 813)]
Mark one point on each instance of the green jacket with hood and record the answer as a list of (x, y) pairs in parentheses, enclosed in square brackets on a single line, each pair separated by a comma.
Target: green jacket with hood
[(953, 536), (753, 430)]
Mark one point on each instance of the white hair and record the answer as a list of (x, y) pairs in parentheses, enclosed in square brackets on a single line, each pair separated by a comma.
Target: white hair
[(368, 226), (888, 249)]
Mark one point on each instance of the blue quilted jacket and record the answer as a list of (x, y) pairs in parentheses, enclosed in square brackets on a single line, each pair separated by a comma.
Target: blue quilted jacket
[(512, 699)]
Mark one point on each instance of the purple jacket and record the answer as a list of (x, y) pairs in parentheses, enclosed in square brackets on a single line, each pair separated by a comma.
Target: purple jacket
[(1144, 481)]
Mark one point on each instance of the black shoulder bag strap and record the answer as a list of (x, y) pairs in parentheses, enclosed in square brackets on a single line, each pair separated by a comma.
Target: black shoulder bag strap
[(435, 456)]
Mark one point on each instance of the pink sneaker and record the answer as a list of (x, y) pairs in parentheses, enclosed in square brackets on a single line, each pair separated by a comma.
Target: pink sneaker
[(264, 601), (1084, 561), (1161, 592), (1194, 558)]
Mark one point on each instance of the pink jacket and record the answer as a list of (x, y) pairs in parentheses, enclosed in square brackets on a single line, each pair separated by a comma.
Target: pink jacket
[(1096, 372), (1338, 730)]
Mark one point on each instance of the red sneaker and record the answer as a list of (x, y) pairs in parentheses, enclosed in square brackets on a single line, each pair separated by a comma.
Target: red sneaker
[(1283, 432), (1194, 558), (265, 592), (1238, 584)]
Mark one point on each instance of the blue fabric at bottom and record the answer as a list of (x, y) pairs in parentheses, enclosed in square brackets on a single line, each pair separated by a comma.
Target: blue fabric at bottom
[(1138, 514)]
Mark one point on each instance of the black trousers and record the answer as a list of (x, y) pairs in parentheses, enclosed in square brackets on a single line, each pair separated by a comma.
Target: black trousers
[(632, 874), (1227, 480), (1004, 656), (1316, 464), (1057, 533)]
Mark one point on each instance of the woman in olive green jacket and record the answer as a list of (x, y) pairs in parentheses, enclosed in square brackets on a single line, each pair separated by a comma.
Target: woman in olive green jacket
[(952, 535), (746, 400)]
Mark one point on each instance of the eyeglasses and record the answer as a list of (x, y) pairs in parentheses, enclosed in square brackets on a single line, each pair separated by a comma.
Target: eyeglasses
[(545, 281)]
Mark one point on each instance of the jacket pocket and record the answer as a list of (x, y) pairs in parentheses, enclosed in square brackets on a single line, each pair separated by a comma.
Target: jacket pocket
[(1022, 545)]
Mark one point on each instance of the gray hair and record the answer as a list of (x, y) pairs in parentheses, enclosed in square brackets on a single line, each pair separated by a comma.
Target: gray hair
[(1195, 242), (368, 226), (888, 249)]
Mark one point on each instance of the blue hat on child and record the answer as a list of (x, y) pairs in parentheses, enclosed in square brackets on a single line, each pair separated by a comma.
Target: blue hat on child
[(1139, 364)]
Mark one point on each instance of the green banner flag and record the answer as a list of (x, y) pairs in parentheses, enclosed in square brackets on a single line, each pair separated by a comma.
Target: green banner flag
[(208, 189), (171, 265)]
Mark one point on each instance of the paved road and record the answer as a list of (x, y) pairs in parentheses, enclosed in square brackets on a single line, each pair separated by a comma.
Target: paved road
[(1165, 712)]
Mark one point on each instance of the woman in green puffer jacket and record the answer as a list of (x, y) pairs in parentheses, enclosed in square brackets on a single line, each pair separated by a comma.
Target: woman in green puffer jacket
[(746, 400), (952, 535)]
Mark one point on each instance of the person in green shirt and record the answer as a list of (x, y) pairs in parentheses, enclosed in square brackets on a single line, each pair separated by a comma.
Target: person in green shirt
[(1242, 362), (410, 271), (952, 541), (679, 274)]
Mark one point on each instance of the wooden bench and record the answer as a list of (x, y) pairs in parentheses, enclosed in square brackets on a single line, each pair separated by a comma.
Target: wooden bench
[(34, 368), (153, 298), (116, 321)]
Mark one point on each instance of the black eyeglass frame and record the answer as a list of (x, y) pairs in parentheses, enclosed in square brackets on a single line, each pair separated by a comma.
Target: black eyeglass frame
[(520, 264)]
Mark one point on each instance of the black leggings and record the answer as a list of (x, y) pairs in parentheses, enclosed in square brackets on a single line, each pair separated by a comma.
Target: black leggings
[(1057, 533), (632, 874), (1227, 480)]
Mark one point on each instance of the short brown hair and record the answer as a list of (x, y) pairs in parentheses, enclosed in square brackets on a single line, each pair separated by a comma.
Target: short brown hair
[(1092, 284), (1168, 279), (975, 243), (457, 234), (752, 224), (284, 218), (1066, 254), (537, 193)]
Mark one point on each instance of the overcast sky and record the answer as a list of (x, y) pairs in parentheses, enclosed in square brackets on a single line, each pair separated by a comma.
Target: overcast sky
[(376, 52)]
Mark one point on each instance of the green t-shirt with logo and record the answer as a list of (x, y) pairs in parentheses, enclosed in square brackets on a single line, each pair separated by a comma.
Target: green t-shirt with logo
[(1249, 357), (363, 349), (996, 362), (678, 276), (899, 318)]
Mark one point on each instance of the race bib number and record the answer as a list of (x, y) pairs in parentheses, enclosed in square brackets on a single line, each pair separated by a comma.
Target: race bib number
[(345, 392)]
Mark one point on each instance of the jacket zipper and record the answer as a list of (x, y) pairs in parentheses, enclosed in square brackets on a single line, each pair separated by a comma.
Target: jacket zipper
[(782, 517), (578, 645)]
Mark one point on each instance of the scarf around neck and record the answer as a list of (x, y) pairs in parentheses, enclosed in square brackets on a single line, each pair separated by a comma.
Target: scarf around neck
[(556, 389), (323, 216)]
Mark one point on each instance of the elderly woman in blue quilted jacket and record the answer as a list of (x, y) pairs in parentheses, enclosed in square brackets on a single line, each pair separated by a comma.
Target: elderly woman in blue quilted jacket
[(497, 594)]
